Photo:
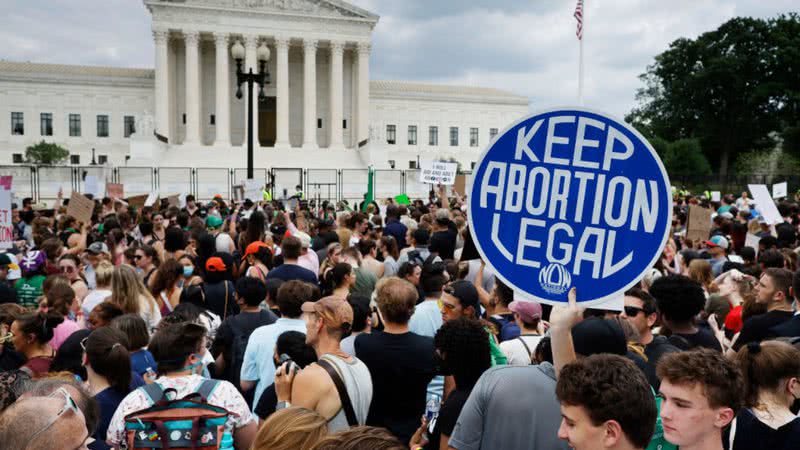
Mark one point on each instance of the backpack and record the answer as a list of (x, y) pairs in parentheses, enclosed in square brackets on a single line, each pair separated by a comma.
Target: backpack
[(190, 422)]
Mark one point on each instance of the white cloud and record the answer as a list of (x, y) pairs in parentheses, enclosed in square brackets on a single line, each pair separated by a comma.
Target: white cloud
[(527, 47)]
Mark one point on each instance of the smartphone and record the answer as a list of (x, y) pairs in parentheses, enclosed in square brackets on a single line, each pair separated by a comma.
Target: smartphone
[(284, 358)]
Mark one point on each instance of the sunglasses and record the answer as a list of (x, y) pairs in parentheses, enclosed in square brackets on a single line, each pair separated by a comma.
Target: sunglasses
[(69, 405), (447, 306), (137, 257), (632, 311), (67, 269)]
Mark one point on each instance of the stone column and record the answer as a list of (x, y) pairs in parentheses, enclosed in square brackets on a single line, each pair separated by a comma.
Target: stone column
[(282, 88), (251, 62), (310, 94), (337, 94), (362, 108), (162, 94), (191, 40), (223, 89)]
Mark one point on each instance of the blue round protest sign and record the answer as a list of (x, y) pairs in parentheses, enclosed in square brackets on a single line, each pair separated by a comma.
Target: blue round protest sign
[(570, 198)]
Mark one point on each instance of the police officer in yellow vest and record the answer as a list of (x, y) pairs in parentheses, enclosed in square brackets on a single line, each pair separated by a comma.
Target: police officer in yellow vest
[(266, 194), (299, 192)]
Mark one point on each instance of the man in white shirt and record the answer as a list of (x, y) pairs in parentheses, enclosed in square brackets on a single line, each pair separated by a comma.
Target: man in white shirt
[(528, 316)]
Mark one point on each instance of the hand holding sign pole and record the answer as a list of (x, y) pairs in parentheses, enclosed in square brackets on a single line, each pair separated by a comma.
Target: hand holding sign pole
[(570, 198)]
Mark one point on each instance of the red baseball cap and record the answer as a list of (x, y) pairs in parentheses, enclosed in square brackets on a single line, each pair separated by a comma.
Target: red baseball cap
[(215, 264), (253, 248)]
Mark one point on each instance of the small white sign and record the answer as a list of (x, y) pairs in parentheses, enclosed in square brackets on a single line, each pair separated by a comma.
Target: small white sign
[(91, 185), (716, 196), (151, 199), (437, 172), (780, 190), (764, 203), (252, 189)]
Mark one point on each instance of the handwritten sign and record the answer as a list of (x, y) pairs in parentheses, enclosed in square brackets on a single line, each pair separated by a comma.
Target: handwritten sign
[(6, 227), (698, 224), (115, 191), (252, 189), (436, 172), (80, 208)]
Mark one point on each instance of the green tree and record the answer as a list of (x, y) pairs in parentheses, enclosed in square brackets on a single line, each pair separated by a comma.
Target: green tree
[(685, 157), (46, 153), (731, 88)]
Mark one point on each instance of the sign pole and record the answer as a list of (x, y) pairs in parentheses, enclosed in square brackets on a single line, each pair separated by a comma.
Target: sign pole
[(580, 56)]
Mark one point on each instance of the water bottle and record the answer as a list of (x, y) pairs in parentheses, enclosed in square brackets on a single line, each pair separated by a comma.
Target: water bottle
[(226, 443), (432, 408)]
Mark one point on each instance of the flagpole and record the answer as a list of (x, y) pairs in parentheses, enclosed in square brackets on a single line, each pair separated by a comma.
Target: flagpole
[(580, 55)]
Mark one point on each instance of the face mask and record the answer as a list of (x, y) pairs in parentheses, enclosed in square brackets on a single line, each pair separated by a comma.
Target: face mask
[(188, 271)]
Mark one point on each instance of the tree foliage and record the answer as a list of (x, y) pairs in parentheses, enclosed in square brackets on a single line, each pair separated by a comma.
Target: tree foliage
[(46, 153), (684, 156), (735, 89)]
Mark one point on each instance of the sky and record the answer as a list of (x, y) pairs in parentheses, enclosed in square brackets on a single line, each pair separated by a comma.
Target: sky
[(525, 46)]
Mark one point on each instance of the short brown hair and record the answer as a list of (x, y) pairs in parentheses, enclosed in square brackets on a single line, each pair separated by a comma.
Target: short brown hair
[(719, 377), (291, 247), (291, 296), (610, 387), (396, 299), (361, 438), (782, 280)]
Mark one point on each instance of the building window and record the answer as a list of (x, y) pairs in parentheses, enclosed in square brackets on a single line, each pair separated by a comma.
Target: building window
[(472, 165), (212, 120), (473, 137), (433, 135), (492, 133), (344, 124), (102, 126), (412, 164), (74, 125), (102, 159), (453, 136), (16, 158), (412, 135), (183, 118), (319, 123), (391, 134), (17, 123), (46, 124), (75, 159), (129, 126)]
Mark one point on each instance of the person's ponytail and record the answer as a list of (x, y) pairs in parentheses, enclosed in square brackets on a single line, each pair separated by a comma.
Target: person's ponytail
[(40, 324), (108, 356)]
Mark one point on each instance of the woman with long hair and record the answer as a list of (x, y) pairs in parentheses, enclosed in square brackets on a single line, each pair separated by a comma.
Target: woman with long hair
[(771, 372), (388, 248), (290, 429), (108, 368), (700, 271), (167, 286), (128, 292), (333, 257), (339, 280), (61, 300), (137, 337), (32, 333), (257, 260), (255, 231), (70, 267), (146, 259)]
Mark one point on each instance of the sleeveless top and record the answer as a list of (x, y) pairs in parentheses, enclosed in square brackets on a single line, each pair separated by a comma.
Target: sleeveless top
[(358, 382)]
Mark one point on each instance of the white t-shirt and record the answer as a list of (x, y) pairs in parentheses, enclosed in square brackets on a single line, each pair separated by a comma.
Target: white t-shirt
[(94, 298), (515, 350)]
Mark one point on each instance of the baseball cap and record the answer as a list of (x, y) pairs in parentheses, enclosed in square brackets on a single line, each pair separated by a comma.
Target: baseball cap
[(215, 264), (254, 247), (33, 260), (595, 335), (97, 248), (334, 311), (718, 241), (213, 221), (305, 239), (14, 272), (466, 293), (529, 312)]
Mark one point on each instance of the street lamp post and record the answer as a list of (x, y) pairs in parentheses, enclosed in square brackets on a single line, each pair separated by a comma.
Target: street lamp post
[(262, 78)]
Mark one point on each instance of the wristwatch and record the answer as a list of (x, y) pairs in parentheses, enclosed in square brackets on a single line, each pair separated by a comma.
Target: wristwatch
[(282, 405)]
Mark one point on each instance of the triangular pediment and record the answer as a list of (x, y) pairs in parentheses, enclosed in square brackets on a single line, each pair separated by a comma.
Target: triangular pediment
[(326, 8)]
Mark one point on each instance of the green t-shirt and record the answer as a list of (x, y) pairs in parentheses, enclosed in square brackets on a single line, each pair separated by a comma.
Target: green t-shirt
[(658, 442), (29, 290), (498, 357)]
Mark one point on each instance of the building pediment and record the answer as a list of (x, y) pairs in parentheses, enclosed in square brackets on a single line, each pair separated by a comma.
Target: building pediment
[(321, 8)]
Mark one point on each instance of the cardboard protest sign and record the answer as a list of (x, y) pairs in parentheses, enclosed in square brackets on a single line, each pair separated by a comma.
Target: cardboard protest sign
[(437, 172), (460, 184), (80, 208), (716, 196), (6, 226), (138, 201), (780, 190), (570, 198), (115, 191), (698, 223), (238, 192), (152, 198), (764, 203), (6, 181)]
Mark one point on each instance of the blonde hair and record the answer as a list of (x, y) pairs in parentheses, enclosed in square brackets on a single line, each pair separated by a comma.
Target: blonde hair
[(291, 429), (700, 271), (103, 273), (128, 292)]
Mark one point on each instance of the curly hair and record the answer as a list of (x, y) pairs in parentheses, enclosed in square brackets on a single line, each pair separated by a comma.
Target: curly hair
[(610, 387), (679, 298), (719, 377), (464, 345)]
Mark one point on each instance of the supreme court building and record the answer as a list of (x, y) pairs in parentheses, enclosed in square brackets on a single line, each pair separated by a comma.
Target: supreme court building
[(321, 109)]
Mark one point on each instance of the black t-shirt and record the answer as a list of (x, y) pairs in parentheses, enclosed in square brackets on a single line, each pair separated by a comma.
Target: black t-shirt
[(7, 293), (659, 347), (241, 324), (702, 338), (267, 402), (448, 416), (401, 366), (217, 296), (753, 433), (444, 243), (757, 327)]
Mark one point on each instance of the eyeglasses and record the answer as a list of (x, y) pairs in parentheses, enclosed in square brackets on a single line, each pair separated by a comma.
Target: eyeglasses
[(69, 405), (632, 311)]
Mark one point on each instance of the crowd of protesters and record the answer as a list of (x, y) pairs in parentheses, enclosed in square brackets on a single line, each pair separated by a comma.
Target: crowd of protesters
[(377, 326)]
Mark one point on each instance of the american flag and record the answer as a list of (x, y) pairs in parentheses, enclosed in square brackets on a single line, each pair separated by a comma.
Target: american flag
[(579, 17)]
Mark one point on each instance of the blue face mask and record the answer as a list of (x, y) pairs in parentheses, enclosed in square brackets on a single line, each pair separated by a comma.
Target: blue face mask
[(188, 271)]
